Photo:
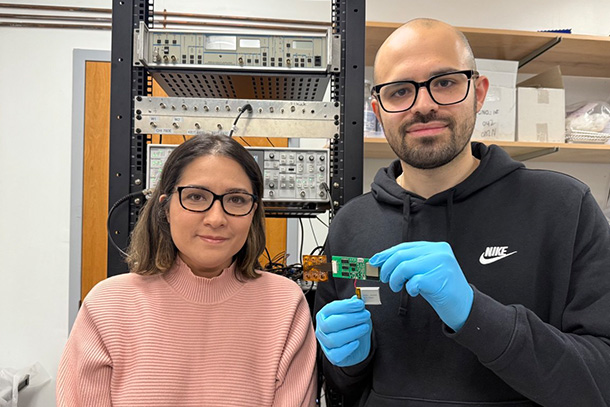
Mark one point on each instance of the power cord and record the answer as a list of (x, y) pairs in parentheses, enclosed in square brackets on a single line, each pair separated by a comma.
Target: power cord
[(330, 199), (144, 192), (245, 107)]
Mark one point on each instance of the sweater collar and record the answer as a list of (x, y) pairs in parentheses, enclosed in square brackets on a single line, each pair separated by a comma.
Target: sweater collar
[(201, 289)]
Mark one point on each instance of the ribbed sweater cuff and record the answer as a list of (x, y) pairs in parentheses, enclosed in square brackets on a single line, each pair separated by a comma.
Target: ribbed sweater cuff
[(489, 328)]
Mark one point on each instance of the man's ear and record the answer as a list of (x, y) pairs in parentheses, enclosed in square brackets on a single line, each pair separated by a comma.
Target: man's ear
[(376, 108), (481, 86)]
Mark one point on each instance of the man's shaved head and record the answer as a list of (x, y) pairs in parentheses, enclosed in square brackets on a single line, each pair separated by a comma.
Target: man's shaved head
[(421, 27)]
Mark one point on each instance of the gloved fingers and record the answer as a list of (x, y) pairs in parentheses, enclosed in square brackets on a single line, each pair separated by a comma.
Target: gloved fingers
[(337, 355), (432, 282), (405, 270), (347, 306), (380, 258), (341, 338), (340, 322), (419, 256), (413, 285)]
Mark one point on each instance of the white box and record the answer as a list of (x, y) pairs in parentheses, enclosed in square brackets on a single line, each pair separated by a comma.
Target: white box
[(541, 108), (499, 72), (496, 119)]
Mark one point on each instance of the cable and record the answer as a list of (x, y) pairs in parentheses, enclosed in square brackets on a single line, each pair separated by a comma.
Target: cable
[(302, 239), (313, 232), (330, 199), (245, 107), (116, 204), (320, 249), (244, 140), (321, 221)]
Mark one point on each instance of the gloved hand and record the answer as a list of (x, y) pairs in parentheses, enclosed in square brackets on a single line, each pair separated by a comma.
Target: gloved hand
[(343, 328), (429, 269)]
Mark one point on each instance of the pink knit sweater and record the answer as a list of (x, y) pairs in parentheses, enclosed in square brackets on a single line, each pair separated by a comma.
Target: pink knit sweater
[(181, 340)]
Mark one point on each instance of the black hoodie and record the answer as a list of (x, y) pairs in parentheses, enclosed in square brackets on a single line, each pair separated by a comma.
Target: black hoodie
[(535, 247)]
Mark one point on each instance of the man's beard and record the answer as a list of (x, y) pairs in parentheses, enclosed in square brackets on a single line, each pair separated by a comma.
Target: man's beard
[(428, 152)]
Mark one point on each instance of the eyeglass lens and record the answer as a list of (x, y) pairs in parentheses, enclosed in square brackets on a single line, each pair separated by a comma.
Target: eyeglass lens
[(200, 200), (444, 89)]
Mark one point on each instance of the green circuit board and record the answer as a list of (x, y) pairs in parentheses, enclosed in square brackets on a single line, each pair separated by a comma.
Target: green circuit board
[(354, 268)]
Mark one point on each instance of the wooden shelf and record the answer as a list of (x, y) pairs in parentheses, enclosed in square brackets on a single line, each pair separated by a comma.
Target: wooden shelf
[(553, 152), (577, 55)]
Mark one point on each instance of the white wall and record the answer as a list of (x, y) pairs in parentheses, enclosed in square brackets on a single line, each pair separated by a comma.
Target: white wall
[(35, 150), (35, 146)]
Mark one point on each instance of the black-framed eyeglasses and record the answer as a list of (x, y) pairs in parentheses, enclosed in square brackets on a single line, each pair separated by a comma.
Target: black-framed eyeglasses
[(200, 199), (445, 89)]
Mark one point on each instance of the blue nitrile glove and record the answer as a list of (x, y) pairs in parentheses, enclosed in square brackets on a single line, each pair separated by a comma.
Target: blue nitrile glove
[(429, 269), (343, 328)]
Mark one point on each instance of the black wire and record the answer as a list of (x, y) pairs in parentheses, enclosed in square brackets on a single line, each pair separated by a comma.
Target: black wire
[(114, 206), (245, 107), (302, 239), (321, 221), (279, 256), (330, 199), (319, 248), (313, 232)]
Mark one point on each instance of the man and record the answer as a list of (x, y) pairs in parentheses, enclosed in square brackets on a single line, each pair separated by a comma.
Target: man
[(495, 279)]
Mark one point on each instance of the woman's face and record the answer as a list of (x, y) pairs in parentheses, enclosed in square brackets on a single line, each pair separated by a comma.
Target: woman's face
[(207, 241)]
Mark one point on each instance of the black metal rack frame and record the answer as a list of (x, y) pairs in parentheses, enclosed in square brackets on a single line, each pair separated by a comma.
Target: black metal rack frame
[(128, 149)]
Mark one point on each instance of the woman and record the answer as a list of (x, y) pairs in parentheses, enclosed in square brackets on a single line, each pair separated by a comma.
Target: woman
[(194, 323)]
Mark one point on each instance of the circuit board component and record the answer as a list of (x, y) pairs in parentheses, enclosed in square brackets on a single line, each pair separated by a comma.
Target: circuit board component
[(315, 268), (354, 268)]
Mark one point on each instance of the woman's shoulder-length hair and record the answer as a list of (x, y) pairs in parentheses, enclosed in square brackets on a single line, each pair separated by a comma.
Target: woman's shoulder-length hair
[(151, 249)]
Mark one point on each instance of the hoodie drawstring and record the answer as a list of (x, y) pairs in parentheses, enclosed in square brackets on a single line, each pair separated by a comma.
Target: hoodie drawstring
[(449, 214), (406, 217)]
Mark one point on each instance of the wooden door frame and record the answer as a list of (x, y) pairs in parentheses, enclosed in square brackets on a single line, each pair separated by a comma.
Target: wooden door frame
[(80, 57), (81, 60)]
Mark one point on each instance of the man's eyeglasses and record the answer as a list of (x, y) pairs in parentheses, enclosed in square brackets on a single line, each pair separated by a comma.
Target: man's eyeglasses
[(200, 199), (445, 89)]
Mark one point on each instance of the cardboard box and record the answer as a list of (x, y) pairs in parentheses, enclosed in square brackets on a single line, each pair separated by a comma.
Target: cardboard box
[(499, 72), (541, 108), (496, 120)]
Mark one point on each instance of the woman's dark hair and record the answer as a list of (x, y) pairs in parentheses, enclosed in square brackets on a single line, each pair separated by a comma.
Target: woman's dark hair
[(152, 251)]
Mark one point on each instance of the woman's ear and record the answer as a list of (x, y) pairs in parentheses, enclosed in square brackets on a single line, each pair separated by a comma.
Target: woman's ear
[(162, 199)]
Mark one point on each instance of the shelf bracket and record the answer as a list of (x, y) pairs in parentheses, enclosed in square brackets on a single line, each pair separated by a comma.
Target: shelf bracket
[(536, 154), (536, 53)]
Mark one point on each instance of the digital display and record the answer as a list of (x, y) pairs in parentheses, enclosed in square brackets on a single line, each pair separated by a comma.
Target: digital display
[(249, 43), (302, 44)]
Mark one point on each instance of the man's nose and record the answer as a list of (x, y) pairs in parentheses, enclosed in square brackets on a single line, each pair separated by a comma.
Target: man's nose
[(424, 103)]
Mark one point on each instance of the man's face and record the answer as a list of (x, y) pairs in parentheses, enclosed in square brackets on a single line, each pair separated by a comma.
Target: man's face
[(428, 135)]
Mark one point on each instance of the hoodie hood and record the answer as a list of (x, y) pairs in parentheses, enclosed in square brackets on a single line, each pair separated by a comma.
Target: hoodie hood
[(495, 164)]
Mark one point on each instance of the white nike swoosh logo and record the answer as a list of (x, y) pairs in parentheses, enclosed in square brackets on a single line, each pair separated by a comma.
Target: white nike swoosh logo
[(485, 260)]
